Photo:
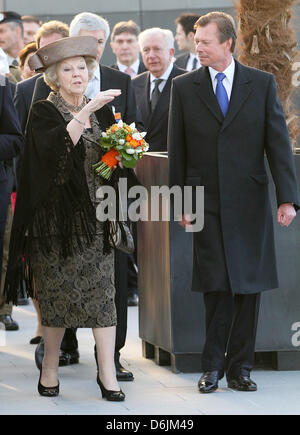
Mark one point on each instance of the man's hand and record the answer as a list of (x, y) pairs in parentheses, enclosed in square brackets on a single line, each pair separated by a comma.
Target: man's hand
[(185, 220), (285, 214)]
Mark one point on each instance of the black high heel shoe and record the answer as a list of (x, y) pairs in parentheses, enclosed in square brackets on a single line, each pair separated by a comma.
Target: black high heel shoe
[(111, 395), (47, 391)]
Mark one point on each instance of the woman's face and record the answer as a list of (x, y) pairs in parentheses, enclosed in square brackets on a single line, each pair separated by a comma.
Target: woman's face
[(26, 71), (72, 76)]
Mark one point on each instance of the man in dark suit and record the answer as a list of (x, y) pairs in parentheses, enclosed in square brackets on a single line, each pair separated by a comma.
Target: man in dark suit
[(223, 119), (152, 88), (11, 144), (124, 44), (184, 37)]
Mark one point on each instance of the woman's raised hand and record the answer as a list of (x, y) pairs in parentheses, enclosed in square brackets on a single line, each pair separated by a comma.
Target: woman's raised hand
[(102, 98)]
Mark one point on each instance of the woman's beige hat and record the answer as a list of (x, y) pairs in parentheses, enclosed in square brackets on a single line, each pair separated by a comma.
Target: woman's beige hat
[(63, 49)]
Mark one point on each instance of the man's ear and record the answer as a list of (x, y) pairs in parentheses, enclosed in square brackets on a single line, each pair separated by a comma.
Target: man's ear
[(191, 36), (112, 46)]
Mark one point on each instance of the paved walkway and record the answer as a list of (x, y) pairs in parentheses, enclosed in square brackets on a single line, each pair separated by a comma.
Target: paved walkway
[(155, 391)]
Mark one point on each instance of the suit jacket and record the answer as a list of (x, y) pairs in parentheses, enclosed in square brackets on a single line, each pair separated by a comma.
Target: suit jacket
[(11, 144), (156, 123), (226, 156), (182, 60), (23, 98), (110, 79), (141, 69)]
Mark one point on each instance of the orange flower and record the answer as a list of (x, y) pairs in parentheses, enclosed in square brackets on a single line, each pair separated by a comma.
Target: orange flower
[(109, 158), (134, 143), (128, 138)]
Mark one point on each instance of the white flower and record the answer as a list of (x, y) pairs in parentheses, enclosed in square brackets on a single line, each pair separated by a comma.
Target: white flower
[(121, 141), (130, 151), (132, 126), (120, 124), (103, 134), (143, 134), (137, 136), (138, 150)]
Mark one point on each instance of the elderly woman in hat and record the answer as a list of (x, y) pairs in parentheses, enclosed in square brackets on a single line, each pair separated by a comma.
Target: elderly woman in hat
[(56, 241)]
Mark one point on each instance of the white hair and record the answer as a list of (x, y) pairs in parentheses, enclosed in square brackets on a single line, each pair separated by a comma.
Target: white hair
[(154, 31), (89, 21)]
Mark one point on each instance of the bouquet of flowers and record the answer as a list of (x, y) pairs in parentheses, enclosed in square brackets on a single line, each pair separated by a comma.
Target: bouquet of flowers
[(123, 143)]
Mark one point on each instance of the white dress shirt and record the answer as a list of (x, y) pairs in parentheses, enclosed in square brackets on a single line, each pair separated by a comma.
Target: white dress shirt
[(227, 81), (134, 67), (94, 85), (164, 79), (190, 63)]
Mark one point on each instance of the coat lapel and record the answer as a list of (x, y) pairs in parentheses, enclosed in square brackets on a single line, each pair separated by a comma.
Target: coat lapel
[(204, 90), (164, 100), (144, 92), (241, 90)]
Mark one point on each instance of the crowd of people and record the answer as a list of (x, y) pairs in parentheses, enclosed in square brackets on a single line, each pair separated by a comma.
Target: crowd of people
[(59, 97)]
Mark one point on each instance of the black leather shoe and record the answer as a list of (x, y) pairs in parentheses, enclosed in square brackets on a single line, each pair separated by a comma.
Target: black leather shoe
[(9, 323), (208, 383), (122, 373), (65, 358), (242, 383), (73, 356)]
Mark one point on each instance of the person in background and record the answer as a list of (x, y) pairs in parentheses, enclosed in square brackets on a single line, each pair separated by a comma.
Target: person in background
[(25, 55), (152, 88), (185, 34), (11, 36), (48, 32), (125, 45), (11, 144), (31, 25)]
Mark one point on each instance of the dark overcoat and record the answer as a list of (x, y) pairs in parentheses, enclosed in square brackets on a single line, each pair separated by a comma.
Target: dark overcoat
[(156, 122), (235, 250), (11, 144)]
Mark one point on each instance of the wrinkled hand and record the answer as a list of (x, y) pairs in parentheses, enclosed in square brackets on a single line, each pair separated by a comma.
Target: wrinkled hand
[(102, 98), (285, 214)]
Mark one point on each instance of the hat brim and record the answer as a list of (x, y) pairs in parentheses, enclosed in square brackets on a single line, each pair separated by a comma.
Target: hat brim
[(50, 54)]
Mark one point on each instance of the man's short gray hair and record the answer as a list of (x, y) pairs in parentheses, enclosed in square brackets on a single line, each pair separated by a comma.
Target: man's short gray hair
[(154, 31), (89, 21)]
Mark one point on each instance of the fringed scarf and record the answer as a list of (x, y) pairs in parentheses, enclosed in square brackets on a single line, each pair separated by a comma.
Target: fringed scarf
[(47, 204)]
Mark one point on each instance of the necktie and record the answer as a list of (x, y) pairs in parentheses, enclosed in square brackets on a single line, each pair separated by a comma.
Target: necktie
[(155, 94), (195, 63), (130, 72), (15, 62), (221, 93)]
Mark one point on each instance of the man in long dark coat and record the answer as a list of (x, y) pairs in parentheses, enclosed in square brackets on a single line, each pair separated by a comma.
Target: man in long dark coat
[(11, 144), (224, 118)]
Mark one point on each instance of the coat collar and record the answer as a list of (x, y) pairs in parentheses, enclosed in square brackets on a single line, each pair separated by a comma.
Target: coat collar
[(241, 90)]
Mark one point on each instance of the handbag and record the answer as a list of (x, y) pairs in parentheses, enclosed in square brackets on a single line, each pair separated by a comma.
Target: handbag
[(120, 236)]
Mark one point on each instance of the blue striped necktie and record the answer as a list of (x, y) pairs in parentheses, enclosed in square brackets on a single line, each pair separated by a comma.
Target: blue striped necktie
[(221, 93)]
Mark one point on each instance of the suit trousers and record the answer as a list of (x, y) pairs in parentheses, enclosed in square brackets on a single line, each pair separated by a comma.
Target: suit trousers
[(5, 309), (231, 325)]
